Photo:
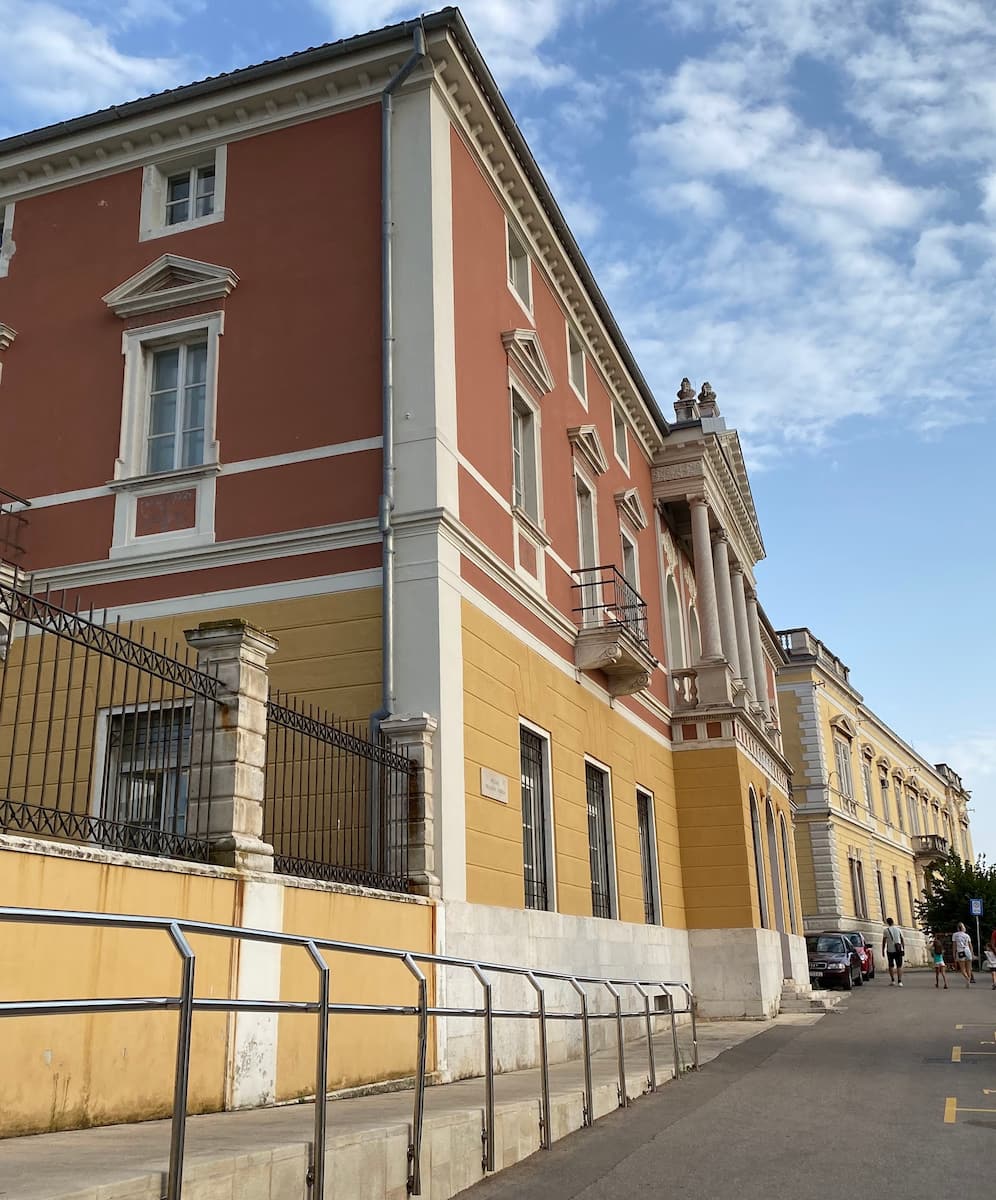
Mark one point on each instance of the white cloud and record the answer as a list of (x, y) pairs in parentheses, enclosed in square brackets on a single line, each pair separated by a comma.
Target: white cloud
[(58, 63)]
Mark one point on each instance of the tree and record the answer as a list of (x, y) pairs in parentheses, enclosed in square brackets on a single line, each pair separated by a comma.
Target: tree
[(950, 884)]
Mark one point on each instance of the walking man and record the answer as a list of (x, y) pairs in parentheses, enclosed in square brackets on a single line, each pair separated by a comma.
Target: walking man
[(894, 948)]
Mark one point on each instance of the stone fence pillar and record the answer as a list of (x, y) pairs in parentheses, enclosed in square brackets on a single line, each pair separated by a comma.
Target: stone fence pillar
[(8, 579), (226, 801), (412, 737)]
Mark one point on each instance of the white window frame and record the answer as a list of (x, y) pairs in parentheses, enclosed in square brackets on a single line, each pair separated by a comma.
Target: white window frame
[(620, 425), (866, 782), (7, 246), (131, 478), (842, 761), (512, 236), (610, 837), (155, 178), (575, 352), (655, 872), (550, 839), (591, 593)]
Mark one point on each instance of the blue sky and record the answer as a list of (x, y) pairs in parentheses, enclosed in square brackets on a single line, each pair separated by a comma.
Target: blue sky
[(795, 199)]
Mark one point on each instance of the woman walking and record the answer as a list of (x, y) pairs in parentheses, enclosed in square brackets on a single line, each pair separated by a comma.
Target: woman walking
[(937, 946), (962, 945), (990, 963)]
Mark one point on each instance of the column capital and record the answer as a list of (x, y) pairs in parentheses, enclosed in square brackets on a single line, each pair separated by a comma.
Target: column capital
[(720, 535), (698, 500), (737, 568)]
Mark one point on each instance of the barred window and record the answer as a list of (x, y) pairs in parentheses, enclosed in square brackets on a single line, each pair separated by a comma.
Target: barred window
[(534, 819), (598, 845), (648, 860), (147, 768)]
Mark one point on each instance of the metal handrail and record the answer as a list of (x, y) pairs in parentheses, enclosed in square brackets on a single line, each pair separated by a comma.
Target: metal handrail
[(187, 1004)]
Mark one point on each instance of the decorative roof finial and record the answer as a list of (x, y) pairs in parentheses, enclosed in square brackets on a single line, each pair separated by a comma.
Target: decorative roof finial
[(686, 392), (707, 401)]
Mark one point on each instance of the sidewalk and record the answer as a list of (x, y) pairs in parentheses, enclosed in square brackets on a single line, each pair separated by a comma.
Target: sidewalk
[(263, 1154)]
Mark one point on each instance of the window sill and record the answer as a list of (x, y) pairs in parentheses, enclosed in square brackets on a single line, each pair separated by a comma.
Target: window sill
[(160, 231), (166, 479), (531, 526)]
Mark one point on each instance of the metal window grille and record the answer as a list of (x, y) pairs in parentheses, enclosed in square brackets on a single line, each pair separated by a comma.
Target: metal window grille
[(147, 768), (533, 820), (598, 848), (881, 894), (909, 893), (899, 906), (646, 857)]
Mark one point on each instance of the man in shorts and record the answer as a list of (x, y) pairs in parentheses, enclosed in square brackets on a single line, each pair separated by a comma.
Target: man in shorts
[(894, 948)]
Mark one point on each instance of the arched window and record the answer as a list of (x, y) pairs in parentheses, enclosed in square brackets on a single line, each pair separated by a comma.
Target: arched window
[(675, 636), (789, 881), (776, 875), (755, 829), (694, 637)]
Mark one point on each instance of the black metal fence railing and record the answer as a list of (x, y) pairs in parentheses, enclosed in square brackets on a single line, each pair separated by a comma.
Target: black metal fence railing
[(105, 738), (13, 526), (607, 598), (338, 800)]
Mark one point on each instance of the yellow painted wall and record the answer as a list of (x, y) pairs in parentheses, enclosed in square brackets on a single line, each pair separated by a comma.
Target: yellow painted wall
[(504, 680), (73, 1071), (713, 787), (68, 1072), (362, 1049)]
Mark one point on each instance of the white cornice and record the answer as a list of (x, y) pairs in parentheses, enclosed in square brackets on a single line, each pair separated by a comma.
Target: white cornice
[(287, 544), (168, 282), (241, 110), (7, 336), (525, 351)]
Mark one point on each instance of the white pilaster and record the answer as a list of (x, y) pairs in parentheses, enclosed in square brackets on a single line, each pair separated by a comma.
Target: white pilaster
[(428, 644), (712, 647)]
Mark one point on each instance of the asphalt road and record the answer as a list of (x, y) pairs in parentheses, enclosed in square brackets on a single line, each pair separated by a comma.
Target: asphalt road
[(869, 1101)]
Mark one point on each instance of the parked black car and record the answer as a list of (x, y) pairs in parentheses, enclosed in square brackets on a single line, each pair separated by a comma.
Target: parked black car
[(833, 961)]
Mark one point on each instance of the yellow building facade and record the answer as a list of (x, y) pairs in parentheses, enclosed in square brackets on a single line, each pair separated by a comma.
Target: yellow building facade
[(871, 813)]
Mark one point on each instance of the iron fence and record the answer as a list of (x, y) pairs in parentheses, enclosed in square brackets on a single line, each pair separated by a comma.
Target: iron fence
[(607, 598), (186, 1004), (338, 801), (106, 736)]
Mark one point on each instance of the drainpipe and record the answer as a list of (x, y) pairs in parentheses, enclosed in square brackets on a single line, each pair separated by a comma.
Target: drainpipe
[(387, 381)]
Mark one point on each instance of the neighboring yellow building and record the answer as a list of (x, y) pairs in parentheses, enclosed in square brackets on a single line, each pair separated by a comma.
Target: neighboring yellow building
[(871, 813)]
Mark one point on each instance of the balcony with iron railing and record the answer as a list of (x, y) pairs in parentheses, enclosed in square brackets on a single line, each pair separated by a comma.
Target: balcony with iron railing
[(929, 846), (13, 527), (611, 616)]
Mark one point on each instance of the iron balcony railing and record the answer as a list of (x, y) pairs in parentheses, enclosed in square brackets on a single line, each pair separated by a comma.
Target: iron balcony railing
[(608, 599), (13, 524), (186, 1004)]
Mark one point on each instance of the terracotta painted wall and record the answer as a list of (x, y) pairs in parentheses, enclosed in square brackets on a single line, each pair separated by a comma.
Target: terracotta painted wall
[(485, 307), (504, 680), (299, 361)]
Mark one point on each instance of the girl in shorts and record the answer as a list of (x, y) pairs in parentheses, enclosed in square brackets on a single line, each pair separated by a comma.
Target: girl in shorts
[(937, 947)]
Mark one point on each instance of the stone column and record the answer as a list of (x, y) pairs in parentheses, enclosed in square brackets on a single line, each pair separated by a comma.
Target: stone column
[(226, 802), (712, 647), (412, 737), (743, 634), (724, 599), (757, 654)]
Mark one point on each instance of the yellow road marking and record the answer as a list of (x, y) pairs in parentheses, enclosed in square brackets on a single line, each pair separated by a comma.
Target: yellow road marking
[(950, 1110), (956, 1053)]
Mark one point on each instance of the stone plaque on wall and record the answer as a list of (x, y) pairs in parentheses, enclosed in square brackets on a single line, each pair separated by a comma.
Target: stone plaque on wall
[(494, 786)]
